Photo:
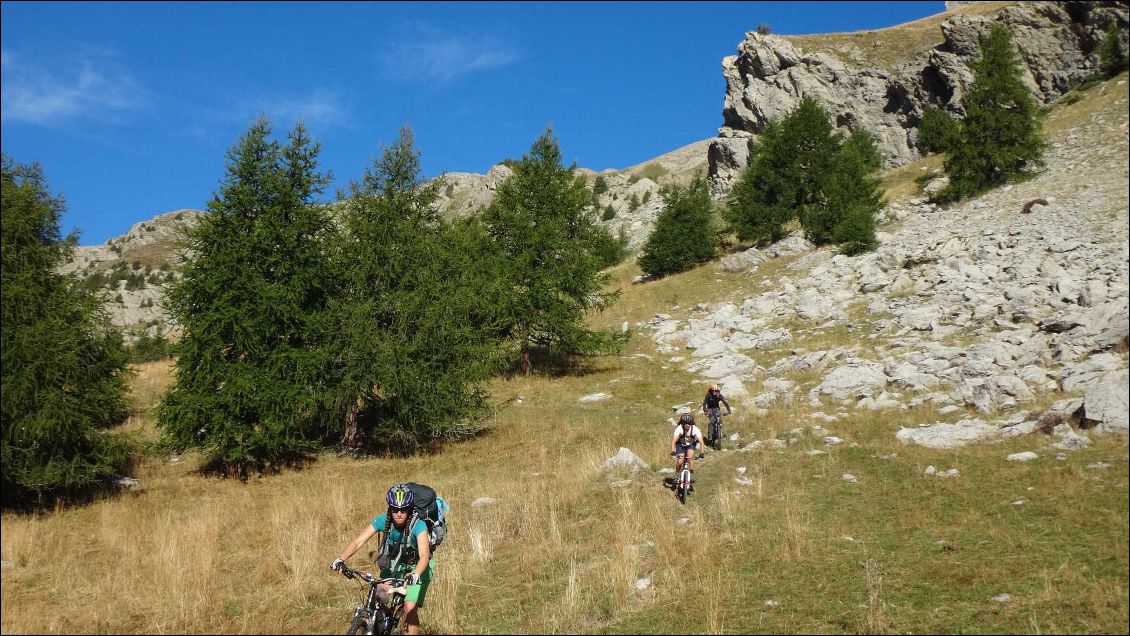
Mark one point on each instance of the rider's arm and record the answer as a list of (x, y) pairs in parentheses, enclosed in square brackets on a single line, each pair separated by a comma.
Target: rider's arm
[(673, 438), (704, 403), (728, 409), (424, 549), (353, 547)]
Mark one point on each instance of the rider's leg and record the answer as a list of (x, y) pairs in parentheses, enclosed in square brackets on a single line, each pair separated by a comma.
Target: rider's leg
[(415, 599), (411, 618)]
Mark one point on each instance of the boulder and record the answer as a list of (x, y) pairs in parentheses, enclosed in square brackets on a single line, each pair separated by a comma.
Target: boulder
[(1105, 404), (942, 435), (857, 378), (625, 458)]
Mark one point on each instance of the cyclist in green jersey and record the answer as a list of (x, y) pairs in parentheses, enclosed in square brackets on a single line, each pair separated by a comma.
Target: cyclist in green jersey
[(408, 557)]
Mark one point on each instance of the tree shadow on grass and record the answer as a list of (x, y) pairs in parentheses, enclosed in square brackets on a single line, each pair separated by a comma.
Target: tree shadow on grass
[(289, 459), (547, 363)]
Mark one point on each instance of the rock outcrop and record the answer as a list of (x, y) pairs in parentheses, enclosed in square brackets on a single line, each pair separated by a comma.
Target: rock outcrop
[(1057, 41), (148, 253)]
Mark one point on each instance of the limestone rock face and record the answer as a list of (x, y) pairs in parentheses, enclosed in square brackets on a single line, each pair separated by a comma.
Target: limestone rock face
[(149, 251), (1057, 43)]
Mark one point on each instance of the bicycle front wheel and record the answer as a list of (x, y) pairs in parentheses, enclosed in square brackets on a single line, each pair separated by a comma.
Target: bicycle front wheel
[(360, 625), (387, 625)]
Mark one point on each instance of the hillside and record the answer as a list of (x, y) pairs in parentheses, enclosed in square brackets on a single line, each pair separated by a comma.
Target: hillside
[(149, 253), (926, 439), (814, 519)]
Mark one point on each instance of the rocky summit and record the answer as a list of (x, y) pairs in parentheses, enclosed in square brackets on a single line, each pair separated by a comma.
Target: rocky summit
[(928, 63)]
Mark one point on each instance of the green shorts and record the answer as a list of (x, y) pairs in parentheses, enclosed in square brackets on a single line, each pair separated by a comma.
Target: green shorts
[(417, 593)]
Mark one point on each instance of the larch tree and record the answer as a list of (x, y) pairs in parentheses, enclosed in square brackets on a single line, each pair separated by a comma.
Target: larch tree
[(253, 304), (541, 225), (64, 366)]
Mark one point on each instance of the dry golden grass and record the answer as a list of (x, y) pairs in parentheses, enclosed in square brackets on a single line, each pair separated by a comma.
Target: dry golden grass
[(1081, 107), (899, 183), (153, 254), (149, 383), (889, 47), (561, 551)]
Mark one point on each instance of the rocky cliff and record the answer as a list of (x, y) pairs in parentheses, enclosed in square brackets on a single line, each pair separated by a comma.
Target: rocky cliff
[(881, 81)]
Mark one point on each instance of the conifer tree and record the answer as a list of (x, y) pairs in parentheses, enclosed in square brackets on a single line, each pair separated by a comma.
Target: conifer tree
[(785, 178), (64, 366), (814, 147), (762, 199), (938, 131), (609, 250), (684, 233), (415, 335), (540, 223), (803, 170), (251, 364), (853, 193), (1112, 60), (1000, 136)]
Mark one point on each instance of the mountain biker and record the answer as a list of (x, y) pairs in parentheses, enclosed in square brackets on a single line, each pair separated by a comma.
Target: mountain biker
[(710, 406), (686, 439), (414, 558)]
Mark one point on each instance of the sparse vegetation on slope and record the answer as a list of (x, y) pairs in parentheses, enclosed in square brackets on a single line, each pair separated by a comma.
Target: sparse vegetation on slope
[(887, 48)]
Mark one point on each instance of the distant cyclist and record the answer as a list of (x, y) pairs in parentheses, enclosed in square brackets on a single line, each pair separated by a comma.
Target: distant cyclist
[(711, 409), (400, 556), (686, 439)]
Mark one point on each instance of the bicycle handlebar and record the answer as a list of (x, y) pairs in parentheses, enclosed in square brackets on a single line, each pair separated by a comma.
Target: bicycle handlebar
[(350, 573)]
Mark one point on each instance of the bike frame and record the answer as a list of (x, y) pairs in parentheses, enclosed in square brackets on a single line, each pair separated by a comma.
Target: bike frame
[(715, 416), (373, 607), (683, 483)]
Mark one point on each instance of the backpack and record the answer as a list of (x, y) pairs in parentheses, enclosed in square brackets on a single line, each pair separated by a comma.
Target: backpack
[(427, 507), (432, 510)]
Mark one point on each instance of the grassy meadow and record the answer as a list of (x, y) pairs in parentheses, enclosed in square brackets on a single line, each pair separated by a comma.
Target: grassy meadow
[(796, 549)]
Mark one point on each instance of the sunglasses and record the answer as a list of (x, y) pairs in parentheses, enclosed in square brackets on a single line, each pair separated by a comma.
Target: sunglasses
[(398, 510)]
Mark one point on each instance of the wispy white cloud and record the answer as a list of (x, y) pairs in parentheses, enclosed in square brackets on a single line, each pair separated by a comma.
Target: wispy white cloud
[(426, 53), (321, 107), (216, 124), (92, 88)]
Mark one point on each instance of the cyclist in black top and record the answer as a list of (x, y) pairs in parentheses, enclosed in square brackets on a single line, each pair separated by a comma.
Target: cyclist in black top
[(711, 409)]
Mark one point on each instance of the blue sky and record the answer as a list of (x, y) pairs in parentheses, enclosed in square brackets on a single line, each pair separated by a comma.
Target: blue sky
[(130, 107)]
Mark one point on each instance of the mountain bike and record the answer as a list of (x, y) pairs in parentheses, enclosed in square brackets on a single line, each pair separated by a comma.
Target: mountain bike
[(715, 416), (383, 609), (683, 481)]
